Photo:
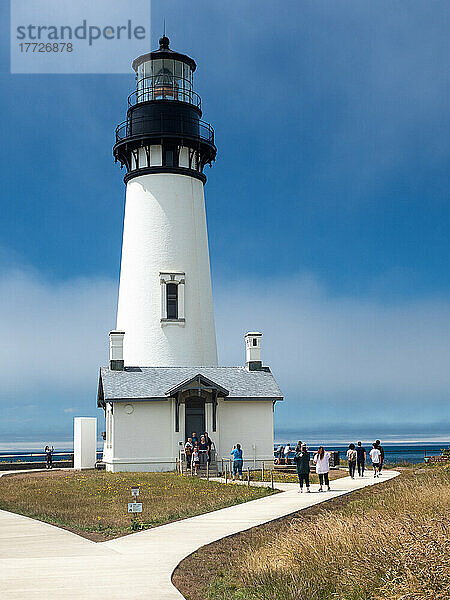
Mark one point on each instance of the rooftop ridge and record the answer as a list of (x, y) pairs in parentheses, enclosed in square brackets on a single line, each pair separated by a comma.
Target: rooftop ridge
[(184, 367)]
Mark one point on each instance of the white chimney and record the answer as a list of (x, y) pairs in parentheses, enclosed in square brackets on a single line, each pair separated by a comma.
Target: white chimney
[(116, 350), (253, 351)]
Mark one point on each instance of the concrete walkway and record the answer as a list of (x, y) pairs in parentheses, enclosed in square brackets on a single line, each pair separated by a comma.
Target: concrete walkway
[(39, 561)]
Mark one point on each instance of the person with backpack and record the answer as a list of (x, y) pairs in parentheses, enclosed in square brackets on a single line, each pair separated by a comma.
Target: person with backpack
[(287, 450), (351, 459), (301, 460)]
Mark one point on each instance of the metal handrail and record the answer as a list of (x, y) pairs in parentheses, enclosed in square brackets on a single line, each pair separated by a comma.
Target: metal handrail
[(177, 88), (35, 454), (165, 125)]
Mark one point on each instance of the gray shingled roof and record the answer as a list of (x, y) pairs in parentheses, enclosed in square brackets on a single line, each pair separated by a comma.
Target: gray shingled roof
[(154, 382)]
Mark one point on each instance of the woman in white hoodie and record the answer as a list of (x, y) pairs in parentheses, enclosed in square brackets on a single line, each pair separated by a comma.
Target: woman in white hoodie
[(322, 462)]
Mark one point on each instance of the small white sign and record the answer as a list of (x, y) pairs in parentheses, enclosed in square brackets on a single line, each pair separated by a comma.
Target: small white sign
[(135, 492), (134, 507)]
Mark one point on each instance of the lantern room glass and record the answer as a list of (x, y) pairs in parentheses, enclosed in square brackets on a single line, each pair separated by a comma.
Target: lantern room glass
[(164, 79)]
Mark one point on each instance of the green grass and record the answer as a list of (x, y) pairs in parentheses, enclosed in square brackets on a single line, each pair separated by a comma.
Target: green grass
[(96, 501), (256, 475)]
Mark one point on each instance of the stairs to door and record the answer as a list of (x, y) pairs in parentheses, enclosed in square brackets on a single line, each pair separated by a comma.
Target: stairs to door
[(202, 470)]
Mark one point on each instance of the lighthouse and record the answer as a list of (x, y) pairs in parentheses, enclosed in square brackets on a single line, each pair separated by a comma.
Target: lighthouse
[(163, 382), (165, 306)]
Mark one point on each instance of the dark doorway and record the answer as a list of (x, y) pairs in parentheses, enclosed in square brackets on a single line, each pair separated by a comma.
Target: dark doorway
[(194, 417)]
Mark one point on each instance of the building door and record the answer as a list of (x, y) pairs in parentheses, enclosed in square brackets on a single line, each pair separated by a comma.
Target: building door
[(194, 417)]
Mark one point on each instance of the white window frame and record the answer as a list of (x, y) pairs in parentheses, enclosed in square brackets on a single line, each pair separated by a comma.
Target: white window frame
[(179, 279)]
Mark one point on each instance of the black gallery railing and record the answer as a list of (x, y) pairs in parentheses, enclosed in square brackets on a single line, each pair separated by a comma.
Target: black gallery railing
[(165, 125)]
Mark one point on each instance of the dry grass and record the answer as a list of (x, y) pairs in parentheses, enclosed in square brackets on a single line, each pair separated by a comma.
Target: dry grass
[(93, 501), (389, 542)]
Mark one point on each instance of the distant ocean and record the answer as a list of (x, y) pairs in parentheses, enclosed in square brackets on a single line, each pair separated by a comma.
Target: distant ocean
[(394, 453), (34, 455)]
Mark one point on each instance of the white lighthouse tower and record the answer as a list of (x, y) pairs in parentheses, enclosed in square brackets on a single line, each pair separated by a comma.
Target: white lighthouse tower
[(165, 304), (162, 382)]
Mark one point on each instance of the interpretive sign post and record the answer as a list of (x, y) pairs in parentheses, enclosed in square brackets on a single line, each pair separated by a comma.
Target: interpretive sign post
[(134, 508)]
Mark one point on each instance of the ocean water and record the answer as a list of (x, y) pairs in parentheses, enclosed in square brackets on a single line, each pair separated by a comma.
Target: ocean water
[(393, 453), (25, 455)]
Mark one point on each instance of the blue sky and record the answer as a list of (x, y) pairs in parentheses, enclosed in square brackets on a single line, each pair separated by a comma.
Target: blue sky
[(327, 212)]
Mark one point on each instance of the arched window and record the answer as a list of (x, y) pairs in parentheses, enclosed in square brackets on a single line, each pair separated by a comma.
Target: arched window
[(172, 301)]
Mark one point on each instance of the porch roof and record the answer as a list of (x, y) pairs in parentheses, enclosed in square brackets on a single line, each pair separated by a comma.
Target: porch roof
[(157, 383), (199, 380)]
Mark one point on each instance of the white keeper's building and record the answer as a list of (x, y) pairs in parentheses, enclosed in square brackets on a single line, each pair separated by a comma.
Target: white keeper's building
[(163, 381)]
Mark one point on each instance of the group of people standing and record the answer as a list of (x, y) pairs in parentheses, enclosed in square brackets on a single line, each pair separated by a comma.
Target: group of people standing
[(198, 454), (302, 460), (356, 458), (282, 454), (198, 451)]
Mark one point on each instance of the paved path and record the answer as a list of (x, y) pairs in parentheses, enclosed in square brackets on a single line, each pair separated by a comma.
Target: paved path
[(39, 561)]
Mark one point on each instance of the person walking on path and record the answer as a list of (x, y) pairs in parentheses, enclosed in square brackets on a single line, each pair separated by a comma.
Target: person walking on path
[(301, 460), (287, 449), (380, 448), (351, 459), (238, 461), (360, 458), (375, 455), (188, 452), (322, 462), (48, 457)]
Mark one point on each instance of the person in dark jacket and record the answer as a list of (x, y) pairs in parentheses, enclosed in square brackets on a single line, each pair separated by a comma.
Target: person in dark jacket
[(360, 458), (301, 460), (203, 449), (210, 443), (48, 457)]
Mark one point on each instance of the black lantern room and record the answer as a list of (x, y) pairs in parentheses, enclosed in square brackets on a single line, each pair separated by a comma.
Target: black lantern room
[(163, 132)]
